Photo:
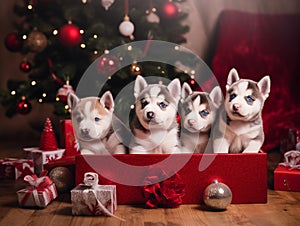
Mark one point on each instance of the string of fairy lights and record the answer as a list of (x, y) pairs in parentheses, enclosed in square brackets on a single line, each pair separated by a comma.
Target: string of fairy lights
[(70, 35)]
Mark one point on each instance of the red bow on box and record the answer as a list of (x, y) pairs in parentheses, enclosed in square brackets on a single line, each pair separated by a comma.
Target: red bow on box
[(167, 193), (37, 184)]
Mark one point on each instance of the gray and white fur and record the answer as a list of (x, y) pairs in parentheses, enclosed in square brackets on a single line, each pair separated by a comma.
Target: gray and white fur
[(240, 126), (197, 114), (92, 123), (154, 124)]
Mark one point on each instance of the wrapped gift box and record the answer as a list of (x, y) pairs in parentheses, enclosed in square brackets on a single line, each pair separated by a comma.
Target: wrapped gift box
[(94, 200), (39, 193), (245, 174), (286, 179), (67, 138), (41, 157), (13, 168)]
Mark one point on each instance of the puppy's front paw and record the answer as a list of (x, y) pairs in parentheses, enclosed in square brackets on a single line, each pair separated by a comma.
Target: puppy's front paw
[(86, 152), (138, 150)]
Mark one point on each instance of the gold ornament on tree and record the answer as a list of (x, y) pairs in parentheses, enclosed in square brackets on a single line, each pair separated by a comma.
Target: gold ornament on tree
[(62, 178), (36, 42)]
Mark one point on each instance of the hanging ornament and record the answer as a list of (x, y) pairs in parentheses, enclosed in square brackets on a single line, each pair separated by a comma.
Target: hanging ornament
[(36, 42), (48, 140), (13, 42), (217, 196), (169, 11), (25, 66), (63, 92), (126, 27), (23, 106), (62, 178), (107, 3), (69, 35), (135, 69), (153, 18)]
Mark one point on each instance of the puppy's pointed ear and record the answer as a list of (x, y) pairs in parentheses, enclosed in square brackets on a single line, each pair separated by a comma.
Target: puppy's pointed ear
[(264, 86), (139, 85), (107, 101), (233, 77), (216, 96), (175, 89), (186, 91), (72, 100)]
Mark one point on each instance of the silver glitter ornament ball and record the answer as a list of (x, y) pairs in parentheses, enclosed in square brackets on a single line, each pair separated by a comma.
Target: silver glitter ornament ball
[(217, 196)]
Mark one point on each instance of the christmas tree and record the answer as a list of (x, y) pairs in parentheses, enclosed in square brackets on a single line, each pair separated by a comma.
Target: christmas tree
[(59, 40)]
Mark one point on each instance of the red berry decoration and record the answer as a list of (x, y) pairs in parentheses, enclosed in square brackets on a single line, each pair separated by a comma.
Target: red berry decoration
[(23, 106), (13, 42), (48, 140), (169, 11), (25, 66), (106, 65), (69, 35)]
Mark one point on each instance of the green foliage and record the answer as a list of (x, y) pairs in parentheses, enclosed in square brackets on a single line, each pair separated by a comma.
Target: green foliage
[(70, 63)]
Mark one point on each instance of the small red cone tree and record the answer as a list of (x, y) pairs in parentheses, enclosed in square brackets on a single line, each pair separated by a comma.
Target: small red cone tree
[(48, 140)]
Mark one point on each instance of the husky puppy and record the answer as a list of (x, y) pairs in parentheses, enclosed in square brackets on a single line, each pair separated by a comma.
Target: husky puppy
[(240, 126), (198, 112), (92, 122), (154, 124)]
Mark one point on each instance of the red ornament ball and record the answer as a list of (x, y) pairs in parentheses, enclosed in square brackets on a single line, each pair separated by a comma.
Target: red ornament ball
[(25, 66), (23, 106), (169, 11), (69, 35), (13, 42)]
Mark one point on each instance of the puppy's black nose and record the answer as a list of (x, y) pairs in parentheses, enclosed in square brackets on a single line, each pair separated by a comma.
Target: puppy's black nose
[(85, 131), (150, 115)]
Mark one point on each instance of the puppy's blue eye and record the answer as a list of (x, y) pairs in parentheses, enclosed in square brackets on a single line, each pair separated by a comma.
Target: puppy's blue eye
[(97, 119), (144, 103), (163, 105), (232, 96), (249, 99), (203, 113)]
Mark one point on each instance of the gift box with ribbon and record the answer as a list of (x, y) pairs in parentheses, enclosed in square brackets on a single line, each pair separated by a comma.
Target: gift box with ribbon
[(287, 173), (90, 198), (13, 168), (39, 192)]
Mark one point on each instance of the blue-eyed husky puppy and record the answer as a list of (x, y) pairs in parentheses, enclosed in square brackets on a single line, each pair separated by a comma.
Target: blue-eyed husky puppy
[(240, 126), (154, 122), (92, 123), (198, 111)]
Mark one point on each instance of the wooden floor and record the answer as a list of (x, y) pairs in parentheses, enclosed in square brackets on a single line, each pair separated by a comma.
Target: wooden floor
[(283, 208)]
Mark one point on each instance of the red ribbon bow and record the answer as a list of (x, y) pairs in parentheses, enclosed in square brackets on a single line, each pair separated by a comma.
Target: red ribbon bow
[(37, 184), (40, 182), (167, 193)]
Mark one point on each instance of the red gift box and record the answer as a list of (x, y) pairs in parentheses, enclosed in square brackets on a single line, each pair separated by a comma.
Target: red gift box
[(67, 138), (13, 168), (245, 174), (39, 193), (286, 179)]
